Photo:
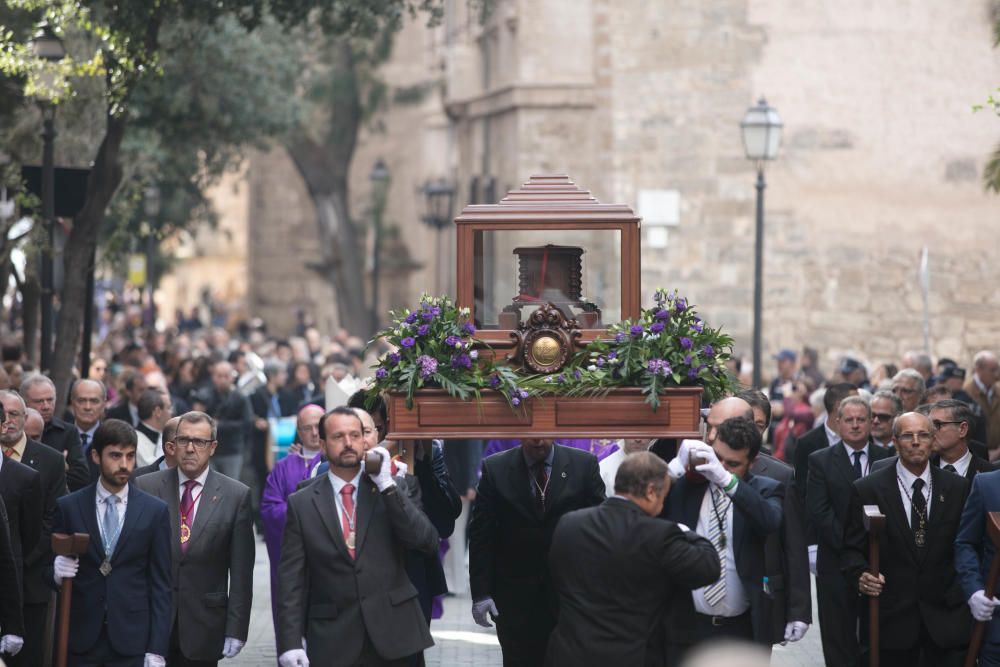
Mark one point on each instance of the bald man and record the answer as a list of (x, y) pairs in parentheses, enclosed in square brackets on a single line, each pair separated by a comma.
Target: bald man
[(283, 481)]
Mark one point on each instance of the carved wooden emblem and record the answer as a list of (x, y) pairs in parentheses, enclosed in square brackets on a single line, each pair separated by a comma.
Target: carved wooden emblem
[(544, 342)]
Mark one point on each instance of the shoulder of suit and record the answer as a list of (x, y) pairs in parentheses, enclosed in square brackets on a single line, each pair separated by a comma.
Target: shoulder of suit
[(18, 469), (227, 482), (763, 482), (42, 451), (142, 496)]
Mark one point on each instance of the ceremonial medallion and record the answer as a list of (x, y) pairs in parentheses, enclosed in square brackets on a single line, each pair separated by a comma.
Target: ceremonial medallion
[(350, 540), (185, 533), (920, 537), (105, 568)]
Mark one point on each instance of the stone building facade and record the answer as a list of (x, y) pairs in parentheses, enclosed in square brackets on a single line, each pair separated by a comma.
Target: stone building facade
[(640, 102)]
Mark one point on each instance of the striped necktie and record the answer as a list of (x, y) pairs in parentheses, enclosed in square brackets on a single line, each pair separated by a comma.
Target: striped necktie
[(715, 593)]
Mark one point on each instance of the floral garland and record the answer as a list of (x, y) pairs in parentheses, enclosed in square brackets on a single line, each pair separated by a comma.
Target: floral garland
[(668, 345)]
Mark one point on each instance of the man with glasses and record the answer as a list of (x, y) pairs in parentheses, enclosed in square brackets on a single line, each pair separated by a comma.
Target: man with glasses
[(909, 385), (886, 406), (952, 422), (213, 548), (832, 473), (922, 617)]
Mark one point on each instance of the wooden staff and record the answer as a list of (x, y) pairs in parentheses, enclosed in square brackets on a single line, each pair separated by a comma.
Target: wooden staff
[(874, 523), (979, 629), (66, 545)]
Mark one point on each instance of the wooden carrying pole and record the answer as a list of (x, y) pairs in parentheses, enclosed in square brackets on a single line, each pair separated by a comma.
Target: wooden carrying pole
[(66, 545), (979, 629), (874, 523)]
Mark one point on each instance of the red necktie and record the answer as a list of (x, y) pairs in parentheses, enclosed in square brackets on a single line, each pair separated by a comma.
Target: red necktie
[(347, 517), (186, 509), (8, 452)]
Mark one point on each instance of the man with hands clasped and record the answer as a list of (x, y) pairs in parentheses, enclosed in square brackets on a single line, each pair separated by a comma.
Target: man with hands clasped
[(121, 611), (715, 494), (344, 595), (923, 618)]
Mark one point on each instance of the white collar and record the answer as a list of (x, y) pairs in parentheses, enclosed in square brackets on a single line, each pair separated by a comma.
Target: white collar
[(982, 386), (908, 477), (339, 484), (831, 436), (961, 463), (103, 494), (850, 450), (200, 478), (90, 431)]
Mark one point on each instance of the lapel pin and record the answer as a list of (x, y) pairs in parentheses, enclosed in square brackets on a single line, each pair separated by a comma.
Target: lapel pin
[(214, 498), (941, 498), (564, 475)]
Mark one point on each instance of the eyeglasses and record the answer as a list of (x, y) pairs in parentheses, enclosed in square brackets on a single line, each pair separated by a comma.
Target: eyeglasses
[(938, 423), (907, 438), (184, 441), (882, 416)]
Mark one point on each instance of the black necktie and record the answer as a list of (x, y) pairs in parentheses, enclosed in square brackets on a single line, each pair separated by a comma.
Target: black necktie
[(84, 439), (950, 468), (857, 464), (541, 480), (918, 508)]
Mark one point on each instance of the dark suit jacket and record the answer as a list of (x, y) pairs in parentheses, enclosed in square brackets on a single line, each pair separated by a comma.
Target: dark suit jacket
[(11, 619), (976, 465), (831, 483), (120, 411), (974, 550), (145, 470), (234, 419), (64, 437), (335, 601), (21, 490), (757, 504), (52, 473), (508, 540), (615, 569), (134, 599), (786, 555), (812, 441), (213, 580), (918, 586)]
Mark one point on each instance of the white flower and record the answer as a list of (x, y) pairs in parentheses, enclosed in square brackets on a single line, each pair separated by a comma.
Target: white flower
[(592, 367), (474, 354)]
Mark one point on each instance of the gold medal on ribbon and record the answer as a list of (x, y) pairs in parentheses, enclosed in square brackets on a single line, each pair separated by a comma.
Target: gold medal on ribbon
[(185, 533), (350, 540)]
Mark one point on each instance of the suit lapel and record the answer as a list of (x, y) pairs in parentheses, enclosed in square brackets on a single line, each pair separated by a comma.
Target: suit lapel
[(693, 497), (519, 482), (366, 509), (211, 498), (738, 523), (170, 493), (326, 507), (891, 499), (132, 515), (89, 509), (558, 477), (843, 463)]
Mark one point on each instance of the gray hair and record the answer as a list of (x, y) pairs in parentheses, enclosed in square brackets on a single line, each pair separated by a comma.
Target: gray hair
[(33, 380), (854, 400), (912, 375), (196, 417), (897, 404), (10, 393), (638, 471)]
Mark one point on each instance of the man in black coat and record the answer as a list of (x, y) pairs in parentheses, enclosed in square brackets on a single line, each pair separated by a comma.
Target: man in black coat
[(234, 419), (923, 617), (616, 567), (21, 490), (832, 473), (952, 421), (39, 393), (522, 494), (51, 468), (11, 617)]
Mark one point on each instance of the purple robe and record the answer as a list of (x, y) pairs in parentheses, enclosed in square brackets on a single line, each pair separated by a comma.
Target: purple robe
[(282, 482)]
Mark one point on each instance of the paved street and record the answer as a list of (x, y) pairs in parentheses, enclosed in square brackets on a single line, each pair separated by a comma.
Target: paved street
[(458, 641)]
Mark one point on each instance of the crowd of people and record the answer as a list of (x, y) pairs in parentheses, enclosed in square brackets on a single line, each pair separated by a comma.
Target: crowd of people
[(580, 552)]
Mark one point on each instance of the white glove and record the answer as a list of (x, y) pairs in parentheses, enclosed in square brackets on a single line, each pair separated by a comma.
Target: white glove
[(153, 660), (481, 611), (11, 644), (383, 478), (64, 568), (795, 631), (812, 558), (231, 647), (295, 658), (712, 469), (678, 465), (401, 469), (982, 607)]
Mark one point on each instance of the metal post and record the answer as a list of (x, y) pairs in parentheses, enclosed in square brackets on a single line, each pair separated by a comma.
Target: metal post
[(49, 217), (88, 318), (150, 249), (376, 252), (758, 276)]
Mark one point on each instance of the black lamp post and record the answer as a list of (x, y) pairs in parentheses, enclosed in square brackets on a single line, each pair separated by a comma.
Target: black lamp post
[(46, 45), (761, 128), (439, 198), (379, 178), (151, 207)]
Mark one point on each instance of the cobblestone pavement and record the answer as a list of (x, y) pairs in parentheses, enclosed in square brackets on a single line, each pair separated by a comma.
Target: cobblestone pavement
[(458, 641)]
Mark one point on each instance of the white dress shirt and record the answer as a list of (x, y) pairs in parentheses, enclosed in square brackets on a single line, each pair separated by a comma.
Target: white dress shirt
[(735, 601), (961, 466), (609, 470), (832, 436), (196, 492), (865, 467), (907, 478), (102, 506), (338, 484)]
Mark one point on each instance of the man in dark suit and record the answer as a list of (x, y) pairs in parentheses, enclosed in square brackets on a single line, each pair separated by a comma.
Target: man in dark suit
[(11, 616), (169, 458), (832, 473), (616, 566), (923, 618), (720, 499), (820, 437), (212, 547), (122, 590), (21, 490), (234, 418), (127, 408), (522, 494), (87, 399), (974, 552), (786, 559), (342, 581), (51, 467), (39, 393), (952, 421)]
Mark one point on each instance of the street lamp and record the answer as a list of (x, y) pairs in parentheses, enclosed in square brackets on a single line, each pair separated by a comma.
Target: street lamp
[(151, 207), (46, 45), (439, 198), (761, 127), (379, 178)]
